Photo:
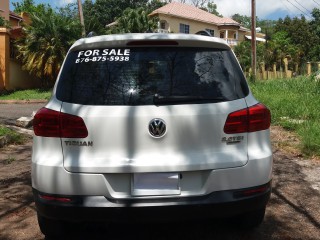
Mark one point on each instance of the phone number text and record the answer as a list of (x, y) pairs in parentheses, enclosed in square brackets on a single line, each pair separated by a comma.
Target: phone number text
[(102, 59)]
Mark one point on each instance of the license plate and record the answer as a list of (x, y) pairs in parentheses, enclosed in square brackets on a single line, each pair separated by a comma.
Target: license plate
[(155, 184)]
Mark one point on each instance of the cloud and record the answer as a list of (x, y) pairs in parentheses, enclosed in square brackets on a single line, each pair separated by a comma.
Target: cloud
[(266, 7), (65, 2)]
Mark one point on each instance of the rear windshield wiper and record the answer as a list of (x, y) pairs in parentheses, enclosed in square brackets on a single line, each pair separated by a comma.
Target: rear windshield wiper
[(167, 100)]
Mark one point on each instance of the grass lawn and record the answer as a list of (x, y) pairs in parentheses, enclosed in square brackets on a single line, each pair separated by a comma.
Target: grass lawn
[(295, 105), (33, 94), (14, 137)]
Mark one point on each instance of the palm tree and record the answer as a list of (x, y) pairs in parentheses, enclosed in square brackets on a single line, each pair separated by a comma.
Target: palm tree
[(46, 43), (243, 52), (134, 21), (282, 47)]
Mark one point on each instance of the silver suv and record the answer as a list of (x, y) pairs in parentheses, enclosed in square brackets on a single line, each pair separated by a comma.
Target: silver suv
[(151, 126)]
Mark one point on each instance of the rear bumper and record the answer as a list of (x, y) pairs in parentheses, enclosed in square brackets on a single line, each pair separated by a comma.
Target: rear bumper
[(99, 208)]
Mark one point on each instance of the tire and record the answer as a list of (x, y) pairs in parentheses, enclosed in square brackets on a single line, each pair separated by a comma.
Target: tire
[(51, 228), (252, 219)]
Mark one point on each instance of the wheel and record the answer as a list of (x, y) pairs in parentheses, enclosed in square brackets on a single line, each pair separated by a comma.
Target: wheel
[(50, 227), (251, 219)]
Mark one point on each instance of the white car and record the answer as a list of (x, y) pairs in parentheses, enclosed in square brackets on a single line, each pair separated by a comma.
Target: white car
[(151, 126)]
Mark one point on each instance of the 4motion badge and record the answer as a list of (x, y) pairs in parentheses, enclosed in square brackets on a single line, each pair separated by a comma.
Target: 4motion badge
[(232, 140)]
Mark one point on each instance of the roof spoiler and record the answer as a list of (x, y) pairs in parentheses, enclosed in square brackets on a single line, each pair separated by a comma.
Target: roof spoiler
[(204, 33), (91, 34)]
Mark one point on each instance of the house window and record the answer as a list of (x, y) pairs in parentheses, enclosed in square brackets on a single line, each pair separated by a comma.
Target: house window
[(221, 34), (184, 28), (13, 49), (210, 31), (163, 25)]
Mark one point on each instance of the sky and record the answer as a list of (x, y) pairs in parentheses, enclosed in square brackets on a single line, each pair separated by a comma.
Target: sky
[(265, 9)]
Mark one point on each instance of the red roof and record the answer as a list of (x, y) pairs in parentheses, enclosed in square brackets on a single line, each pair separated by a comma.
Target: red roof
[(14, 15), (190, 12)]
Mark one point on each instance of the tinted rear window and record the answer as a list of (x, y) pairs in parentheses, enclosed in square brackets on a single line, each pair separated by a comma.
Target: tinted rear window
[(132, 76)]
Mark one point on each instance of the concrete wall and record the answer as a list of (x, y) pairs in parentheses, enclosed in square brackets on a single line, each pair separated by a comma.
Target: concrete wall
[(20, 79), (284, 72), (4, 58), (242, 34), (174, 25), (4, 9), (11, 74), (4, 46)]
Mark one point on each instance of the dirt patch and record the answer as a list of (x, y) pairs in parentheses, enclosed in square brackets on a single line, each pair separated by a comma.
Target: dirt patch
[(293, 211), (17, 210)]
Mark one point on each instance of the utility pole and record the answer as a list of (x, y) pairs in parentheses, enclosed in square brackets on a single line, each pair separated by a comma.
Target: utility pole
[(253, 40), (81, 18)]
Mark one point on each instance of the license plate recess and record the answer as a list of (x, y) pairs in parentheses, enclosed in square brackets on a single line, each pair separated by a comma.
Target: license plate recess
[(155, 184)]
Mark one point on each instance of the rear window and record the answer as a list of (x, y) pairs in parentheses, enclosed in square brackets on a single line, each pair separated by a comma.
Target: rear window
[(133, 76)]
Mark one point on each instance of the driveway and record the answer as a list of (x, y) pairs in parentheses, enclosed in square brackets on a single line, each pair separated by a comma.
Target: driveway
[(9, 113)]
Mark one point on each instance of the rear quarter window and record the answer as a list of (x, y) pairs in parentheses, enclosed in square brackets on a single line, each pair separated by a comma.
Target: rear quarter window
[(132, 76)]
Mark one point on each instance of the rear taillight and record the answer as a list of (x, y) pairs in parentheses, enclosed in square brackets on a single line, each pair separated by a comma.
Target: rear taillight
[(55, 198), (259, 118), (50, 123), (249, 192), (252, 119)]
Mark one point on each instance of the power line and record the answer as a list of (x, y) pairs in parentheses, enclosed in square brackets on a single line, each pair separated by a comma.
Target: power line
[(299, 9), (284, 3), (316, 2), (302, 6)]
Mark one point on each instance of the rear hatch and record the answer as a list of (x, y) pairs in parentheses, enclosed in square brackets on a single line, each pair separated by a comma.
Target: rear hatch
[(154, 109)]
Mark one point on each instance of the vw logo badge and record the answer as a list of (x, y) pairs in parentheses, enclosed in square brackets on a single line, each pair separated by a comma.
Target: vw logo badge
[(157, 128)]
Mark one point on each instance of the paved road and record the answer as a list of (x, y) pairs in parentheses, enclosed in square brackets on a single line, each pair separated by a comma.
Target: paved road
[(9, 113)]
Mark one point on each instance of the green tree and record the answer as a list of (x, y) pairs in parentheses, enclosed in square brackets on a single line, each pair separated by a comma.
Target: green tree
[(301, 34), (154, 4), (244, 20), (212, 8), (315, 22), (69, 11), (99, 13), (91, 19), (134, 21), (315, 26), (28, 6), (267, 26), (243, 53), (46, 43), (4, 23), (280, 45)]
